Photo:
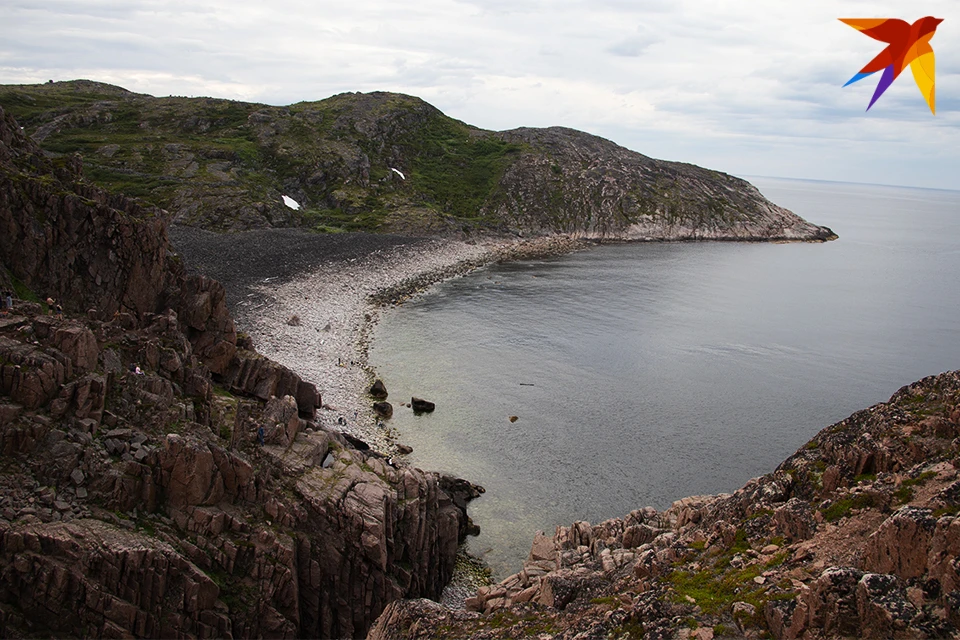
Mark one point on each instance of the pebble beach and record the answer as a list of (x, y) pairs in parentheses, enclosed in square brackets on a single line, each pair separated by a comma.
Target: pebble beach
[(314, 309)]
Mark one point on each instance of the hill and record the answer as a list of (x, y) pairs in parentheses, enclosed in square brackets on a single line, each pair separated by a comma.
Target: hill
[(382, 162)]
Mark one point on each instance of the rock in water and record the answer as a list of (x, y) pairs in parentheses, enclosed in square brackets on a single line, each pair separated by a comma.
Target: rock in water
[(379, 390), (422, 406), (383, 409)]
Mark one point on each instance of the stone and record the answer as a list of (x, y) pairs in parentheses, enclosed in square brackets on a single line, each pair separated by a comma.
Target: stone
[(882, 605), (901, 544), (283, 414), (422, 406), (379, 390), (77, 476), (383, 409), (80, 345)]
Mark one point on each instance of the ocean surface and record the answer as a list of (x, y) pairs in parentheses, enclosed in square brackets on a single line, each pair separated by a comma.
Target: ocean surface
[(643, 373)]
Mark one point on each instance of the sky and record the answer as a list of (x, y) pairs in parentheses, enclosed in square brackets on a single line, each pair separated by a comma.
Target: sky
[(746, 87)]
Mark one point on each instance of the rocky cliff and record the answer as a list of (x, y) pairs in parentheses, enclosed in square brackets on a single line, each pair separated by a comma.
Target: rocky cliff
[(383, 162), (855, 535), (136, 499)]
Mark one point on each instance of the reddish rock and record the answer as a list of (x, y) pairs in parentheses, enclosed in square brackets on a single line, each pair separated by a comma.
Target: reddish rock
[(902, 543)]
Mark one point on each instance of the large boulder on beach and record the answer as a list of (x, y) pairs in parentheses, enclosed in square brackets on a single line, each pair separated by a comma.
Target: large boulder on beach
[(383, 409), (422, 406), (379, 390)]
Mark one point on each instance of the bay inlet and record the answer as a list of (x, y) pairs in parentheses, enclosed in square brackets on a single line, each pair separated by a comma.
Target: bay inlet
[(643, 373)]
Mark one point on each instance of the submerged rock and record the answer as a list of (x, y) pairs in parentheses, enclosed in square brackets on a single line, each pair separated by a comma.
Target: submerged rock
[(422, 406)]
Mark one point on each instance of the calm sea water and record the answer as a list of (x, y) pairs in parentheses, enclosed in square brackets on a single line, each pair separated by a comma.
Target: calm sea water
[(644, 373)]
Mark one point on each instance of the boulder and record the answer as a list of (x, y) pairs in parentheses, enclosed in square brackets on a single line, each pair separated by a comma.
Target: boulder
[(883, 607), (422, 406), (383, 409), (79, 344), (379, 390), (282, 420), (901, 544)]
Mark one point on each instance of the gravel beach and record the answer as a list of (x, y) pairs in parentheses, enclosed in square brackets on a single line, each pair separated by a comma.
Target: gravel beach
[(309, 301)]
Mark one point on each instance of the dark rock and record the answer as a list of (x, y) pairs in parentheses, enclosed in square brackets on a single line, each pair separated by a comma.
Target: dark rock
[(379, 390), (422, 406), (383, 409), (356, 443)]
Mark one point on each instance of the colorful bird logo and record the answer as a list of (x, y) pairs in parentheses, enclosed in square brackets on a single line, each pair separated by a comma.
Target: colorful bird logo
[(906, 44)]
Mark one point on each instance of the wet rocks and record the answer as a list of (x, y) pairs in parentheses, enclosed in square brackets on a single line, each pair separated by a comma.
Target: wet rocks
[(379, 390), (383, 409), (422, 406)]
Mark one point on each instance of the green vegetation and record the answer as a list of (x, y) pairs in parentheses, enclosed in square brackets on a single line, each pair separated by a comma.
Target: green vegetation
[(23, 292), (631, 630), (717, 584), (354, 162), (531, 624), (456, 166), (904, 492), (842, 507)]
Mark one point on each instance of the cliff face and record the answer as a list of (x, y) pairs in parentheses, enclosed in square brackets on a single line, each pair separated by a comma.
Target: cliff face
[(575, 183), (139, 502), (855, 535), (384, 162)]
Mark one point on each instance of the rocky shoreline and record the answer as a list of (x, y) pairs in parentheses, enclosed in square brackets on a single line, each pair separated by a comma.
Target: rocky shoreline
[(320, 324)]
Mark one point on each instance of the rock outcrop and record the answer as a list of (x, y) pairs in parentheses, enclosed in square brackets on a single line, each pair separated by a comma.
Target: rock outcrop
[(855, 535), (135, 499)]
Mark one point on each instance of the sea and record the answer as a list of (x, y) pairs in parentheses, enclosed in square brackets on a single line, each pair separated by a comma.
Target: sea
[(584, 386)]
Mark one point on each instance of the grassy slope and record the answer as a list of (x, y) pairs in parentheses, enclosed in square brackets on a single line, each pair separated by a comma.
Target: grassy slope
[(334, 155)]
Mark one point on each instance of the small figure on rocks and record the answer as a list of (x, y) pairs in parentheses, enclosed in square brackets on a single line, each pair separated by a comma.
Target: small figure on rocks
[(8, 298), (59, 311), (260, 435)]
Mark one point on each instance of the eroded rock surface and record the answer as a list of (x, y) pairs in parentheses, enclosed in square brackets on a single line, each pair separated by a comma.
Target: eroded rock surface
[(135, 499)]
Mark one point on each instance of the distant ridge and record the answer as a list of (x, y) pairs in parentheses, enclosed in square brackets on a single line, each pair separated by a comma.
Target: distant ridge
[(383, 162)]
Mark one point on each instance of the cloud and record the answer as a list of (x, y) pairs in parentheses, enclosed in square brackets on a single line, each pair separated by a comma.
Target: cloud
[(692, 77)]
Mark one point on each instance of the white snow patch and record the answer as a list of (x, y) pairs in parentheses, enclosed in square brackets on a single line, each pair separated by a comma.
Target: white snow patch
[(399, 173), (290, 202)]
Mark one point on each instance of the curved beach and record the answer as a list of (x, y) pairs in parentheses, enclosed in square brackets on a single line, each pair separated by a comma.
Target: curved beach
[(310, 302)]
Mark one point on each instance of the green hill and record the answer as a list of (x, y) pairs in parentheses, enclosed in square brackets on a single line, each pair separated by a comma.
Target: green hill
[(381, 162)]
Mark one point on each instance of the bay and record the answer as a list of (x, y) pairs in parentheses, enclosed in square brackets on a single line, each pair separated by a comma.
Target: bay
[(643, 373)]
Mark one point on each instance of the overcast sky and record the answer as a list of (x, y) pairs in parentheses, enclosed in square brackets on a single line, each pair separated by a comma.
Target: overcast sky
[(743, 86)]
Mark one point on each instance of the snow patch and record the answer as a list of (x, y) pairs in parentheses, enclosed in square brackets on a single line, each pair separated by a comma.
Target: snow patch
[(399, 173), (290, 202)]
